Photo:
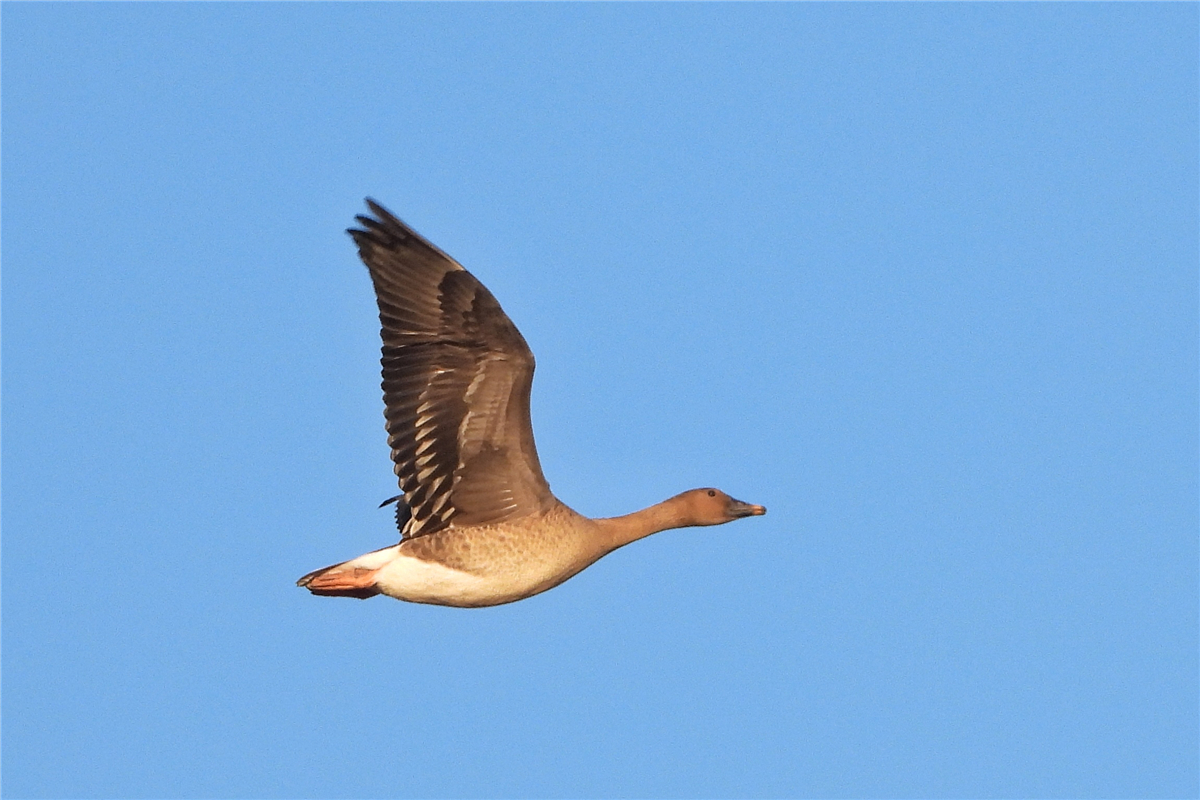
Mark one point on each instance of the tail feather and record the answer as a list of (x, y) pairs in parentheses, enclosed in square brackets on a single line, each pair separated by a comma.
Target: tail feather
[(341, 580)]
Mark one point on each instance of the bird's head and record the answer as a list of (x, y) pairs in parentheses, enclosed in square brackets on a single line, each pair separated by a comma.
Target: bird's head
[(714, 507)]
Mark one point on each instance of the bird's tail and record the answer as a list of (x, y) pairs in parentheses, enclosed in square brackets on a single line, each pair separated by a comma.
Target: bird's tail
[(341, 581), (353, 578)]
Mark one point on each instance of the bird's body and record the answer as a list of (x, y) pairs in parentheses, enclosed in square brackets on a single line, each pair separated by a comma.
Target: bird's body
[(484, 565), (479, 525)]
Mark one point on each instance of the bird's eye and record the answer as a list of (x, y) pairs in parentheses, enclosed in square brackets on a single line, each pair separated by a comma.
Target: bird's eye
[(711, 493)]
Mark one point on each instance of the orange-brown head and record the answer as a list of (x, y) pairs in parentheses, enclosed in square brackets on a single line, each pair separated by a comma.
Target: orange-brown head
[(713, 507)]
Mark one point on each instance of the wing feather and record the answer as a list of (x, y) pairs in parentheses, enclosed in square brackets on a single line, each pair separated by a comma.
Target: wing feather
[(457, 375)]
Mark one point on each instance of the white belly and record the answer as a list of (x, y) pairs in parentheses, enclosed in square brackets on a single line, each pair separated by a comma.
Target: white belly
[(419, 581)]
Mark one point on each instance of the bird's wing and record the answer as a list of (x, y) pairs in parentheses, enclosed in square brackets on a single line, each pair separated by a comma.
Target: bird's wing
[(456, 380)]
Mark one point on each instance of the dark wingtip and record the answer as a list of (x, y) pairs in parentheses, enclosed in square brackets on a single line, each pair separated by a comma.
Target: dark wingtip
[(384, 225), (377, 209), (382, 219), (373, 227), (387, 231)]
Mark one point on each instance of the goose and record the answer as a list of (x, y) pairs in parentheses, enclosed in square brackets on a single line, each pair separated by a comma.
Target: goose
[(478, 523)]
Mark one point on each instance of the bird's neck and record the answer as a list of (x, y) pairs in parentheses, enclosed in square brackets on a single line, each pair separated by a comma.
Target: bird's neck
[(620, 531)]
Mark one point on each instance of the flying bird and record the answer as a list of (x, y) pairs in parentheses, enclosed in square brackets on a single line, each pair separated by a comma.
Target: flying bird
[(478, 523)]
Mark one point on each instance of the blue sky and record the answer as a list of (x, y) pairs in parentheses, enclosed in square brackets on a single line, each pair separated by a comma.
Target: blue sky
[(921, 279)]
